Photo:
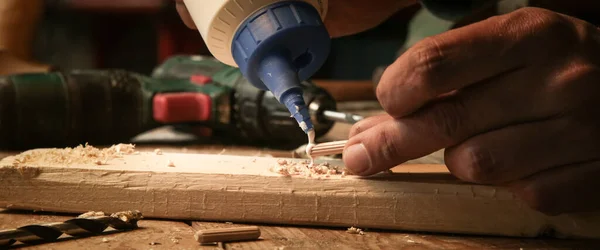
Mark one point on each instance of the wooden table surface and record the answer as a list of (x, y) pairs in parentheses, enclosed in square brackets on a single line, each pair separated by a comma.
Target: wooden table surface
[(163, 234)]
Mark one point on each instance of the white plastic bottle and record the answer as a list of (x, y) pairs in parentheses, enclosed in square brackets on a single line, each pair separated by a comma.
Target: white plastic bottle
[(218, 20), (276, 44)]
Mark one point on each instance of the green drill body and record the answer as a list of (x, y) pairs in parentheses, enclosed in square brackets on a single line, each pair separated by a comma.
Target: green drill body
[(58, 109)]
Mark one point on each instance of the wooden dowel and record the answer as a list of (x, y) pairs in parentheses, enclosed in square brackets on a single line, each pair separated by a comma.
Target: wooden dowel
[(227, 234), (328, 148)]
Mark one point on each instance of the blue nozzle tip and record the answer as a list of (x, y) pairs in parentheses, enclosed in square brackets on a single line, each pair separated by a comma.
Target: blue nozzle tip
[(279, 75), (295, 104)]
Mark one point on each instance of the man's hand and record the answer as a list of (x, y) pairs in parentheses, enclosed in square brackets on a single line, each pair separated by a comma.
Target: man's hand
[(514, 99), (344, 17)]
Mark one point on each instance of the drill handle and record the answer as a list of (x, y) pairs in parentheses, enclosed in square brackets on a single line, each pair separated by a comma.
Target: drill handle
[(59, 109)]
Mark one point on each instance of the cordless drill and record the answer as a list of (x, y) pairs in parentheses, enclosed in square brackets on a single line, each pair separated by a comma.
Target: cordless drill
[(102, 107)]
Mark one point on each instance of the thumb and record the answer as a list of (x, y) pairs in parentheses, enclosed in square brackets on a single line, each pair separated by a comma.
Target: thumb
[(395, 141), (382, 147)]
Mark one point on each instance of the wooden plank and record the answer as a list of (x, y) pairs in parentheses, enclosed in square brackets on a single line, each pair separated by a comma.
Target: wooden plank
[(169, 234), (284, 237), (242, 189)]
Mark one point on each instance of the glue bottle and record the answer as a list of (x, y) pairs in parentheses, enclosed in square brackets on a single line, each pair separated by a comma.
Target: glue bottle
[(276, 44)]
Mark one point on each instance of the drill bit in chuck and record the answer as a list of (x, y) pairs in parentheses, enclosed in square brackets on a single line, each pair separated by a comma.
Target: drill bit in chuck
[(341, 117), (86, 224)]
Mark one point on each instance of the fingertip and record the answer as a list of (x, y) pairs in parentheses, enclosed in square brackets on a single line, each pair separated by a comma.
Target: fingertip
[(357, 159)]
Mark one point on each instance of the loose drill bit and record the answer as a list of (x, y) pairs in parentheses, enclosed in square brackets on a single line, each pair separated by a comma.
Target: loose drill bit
[(88, 223)]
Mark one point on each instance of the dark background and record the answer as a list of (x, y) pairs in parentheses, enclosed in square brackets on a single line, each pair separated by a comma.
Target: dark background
[(137, 35)]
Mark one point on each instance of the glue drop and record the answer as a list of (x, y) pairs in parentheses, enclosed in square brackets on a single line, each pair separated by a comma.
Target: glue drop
[(309, 147)]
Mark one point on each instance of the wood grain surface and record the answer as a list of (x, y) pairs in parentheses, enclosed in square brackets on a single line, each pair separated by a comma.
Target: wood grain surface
[(244, 189), (161, 234)]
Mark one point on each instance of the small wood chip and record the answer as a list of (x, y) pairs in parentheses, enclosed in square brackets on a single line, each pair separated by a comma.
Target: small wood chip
[(91, 214), (158, 151), (104, 240), (170, 164), (354, 230)]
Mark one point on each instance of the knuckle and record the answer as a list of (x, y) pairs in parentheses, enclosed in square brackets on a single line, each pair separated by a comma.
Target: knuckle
[(449, 121), (576, 76), (480, 166), (547, 24), (389, 149), (357, 128), (427, 60), (574, 87)]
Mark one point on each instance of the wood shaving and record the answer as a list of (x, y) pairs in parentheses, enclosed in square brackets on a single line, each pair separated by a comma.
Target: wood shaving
[(82, 154), (158, 151), (91, 214), (127, 216), (104, 240), (170, 164), (304, 168), (282, 171), (355, 230)]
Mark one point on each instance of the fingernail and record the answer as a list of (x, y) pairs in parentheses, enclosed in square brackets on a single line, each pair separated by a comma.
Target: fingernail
[(357, 158)]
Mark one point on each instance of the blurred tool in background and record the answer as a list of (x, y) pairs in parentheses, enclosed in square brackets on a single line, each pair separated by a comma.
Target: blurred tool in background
[(58, 109), (18, 23)]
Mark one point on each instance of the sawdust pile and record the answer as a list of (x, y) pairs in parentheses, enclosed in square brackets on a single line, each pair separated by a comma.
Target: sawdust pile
[(82, 154), (304, 168)]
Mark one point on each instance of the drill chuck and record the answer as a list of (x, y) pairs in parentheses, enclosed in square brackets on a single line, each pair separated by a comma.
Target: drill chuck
[(341, 117), (262, 119)]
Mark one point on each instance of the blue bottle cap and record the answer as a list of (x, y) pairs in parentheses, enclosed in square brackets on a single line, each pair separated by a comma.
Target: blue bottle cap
[(279, 46)]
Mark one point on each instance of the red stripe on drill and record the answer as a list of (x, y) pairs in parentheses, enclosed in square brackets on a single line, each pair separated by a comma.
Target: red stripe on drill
[(181, 107), (200, 79)]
